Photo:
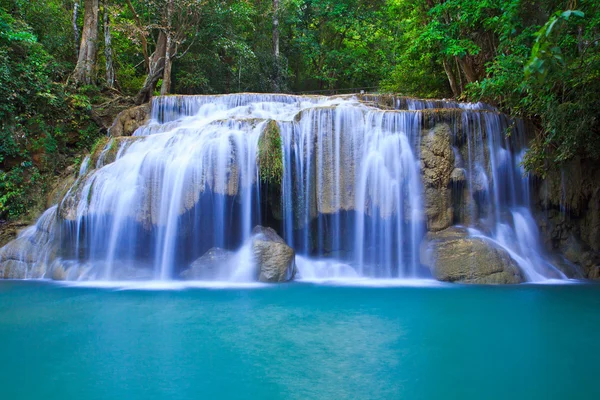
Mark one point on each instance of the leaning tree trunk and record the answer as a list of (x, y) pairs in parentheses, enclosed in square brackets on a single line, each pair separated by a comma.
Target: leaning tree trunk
[(86, 63), (156, 67), (451, 79), (467, 66), (108, 53)]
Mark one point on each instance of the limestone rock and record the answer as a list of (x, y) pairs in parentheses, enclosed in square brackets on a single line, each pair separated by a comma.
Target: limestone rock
[(20, 249), (458, 175), (572, 248), (13, 269), (129, 120), (275, 260), (437, 158), (453, 256), (209, 265), (594, 273), (10, 230), (59, 273)]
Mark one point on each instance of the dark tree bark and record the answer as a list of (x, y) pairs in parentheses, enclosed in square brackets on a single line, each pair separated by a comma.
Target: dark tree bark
[(451, 79), (467, 67), (156, 68), (108, 53), (86, 63)]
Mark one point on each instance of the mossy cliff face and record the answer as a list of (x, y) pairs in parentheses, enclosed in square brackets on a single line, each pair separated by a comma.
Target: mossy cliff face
[(568, 213)]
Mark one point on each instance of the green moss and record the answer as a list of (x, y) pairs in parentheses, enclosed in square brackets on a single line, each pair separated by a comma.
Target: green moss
[(270, 155), (98, 146), (90, 194)]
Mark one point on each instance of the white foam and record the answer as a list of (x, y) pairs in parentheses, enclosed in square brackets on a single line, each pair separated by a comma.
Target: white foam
[(157, 285)]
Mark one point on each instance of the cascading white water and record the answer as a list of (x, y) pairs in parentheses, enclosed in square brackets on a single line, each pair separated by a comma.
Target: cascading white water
[(350, 201)]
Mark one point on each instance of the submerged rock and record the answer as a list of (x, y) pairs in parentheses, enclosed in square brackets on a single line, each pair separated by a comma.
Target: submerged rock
[(209, 265), (274, 259), (453, 256)]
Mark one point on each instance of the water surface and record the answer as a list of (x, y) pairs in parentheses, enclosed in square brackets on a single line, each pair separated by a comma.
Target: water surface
[(299, 341)]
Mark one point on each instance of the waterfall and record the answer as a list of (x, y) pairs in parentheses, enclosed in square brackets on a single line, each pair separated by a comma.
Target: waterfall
[(351, 202)]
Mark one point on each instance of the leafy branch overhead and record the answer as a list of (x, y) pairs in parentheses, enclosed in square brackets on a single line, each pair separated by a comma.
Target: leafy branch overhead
[(60, 59)]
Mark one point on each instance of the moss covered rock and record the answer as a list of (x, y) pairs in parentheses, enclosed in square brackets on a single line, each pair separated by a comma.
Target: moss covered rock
[(270, 154)]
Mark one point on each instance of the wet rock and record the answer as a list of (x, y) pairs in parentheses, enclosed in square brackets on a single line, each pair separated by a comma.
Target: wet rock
[(10, 230), (459, 175), (594, 273), (129, 120), (20, 249), (13, 269), (209, 265), (59, 273), (568, 268), (274, 259), (453, 256), (437, 159), (572, 248)]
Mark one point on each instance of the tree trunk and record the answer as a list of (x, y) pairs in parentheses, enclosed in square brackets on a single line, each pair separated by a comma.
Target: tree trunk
[(467, 68), (86, 63), (156, 67), (166, 83), (108, 54), (276, 29), (76, 28), (451, 79), (276, 77)]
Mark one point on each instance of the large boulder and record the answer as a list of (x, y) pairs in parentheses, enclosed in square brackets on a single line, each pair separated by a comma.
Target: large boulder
[(437, 158), (126, 123), (274, 259), (453, 256), (209, 266)]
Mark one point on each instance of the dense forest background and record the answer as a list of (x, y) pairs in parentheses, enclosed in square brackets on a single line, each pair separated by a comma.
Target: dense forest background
[(67, 64)]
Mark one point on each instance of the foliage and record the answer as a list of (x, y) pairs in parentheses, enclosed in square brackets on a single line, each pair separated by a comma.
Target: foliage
[(270, 155), (534, 59), (41, 122)]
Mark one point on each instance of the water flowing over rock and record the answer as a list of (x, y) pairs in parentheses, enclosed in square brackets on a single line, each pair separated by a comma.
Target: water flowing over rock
[(176, 191), (454, 256), (210, 266), (28, 256), (274, 259)]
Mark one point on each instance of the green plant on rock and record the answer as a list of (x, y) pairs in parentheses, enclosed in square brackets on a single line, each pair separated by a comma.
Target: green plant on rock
[(270, 155)]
